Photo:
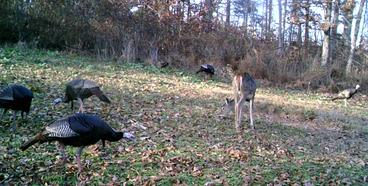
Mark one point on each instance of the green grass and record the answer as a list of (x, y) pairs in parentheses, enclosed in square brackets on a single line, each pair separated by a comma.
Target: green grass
[(299, 138)]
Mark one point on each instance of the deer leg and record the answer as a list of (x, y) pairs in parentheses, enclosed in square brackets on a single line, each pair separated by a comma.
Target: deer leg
[(346, 102), (79, 152), (239, 110), (241, 106), (251, 113), (72, 105), (81, 109), (236, 110), (236, 115), (240, 115)]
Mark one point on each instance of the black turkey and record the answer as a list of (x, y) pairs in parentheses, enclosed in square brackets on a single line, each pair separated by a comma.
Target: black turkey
[(80, 89), (347, 94), (17, 98), (78, 130), (208, 69), (163, 64)]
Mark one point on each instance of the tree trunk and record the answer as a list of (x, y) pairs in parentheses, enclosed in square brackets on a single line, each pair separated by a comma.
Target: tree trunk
[(269, 17), (306, 34), (280, 41), (264, 25), (228, 12), (245, 8), (347, 10), (294, 20), (299, 37), (335, 19), (291, 30), (208, 6), (154, 55), (326, 30), (284, 21), (188, 10), (354, 35)]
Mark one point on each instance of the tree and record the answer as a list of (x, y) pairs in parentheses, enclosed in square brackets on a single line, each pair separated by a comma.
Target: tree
[(244, 8), (269, 18), (326, 27), (208, 10), (265, 19), (294, 20), (228, 12), (306, 7), (334, 23), (280, 28), (347, 10), (354, 36), (284, 20)]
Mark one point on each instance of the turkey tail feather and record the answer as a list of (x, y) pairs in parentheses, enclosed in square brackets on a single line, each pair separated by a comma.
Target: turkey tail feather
[(31, 142)]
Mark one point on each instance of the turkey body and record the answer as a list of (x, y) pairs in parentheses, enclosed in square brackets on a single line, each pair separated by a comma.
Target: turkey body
[(17, 98), (78, 130), (80, 89), (207, 68), (347, 94)]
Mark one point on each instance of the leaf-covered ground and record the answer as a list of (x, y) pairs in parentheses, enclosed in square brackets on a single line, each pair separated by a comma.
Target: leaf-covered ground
[(300, 139)]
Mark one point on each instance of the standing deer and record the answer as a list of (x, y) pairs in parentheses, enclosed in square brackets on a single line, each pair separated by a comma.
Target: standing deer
[(244, 90)]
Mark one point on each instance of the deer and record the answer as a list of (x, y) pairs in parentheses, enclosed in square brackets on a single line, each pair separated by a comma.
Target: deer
[(244, 87)]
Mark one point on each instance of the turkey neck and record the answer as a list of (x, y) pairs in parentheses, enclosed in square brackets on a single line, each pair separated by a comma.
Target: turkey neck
[(115, 136), (355, 90)]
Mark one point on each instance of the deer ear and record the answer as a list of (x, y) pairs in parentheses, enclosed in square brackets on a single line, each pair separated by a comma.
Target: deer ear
[(227, 100)]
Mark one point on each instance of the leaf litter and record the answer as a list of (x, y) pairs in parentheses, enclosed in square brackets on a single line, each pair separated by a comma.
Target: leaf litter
[(181, 138)]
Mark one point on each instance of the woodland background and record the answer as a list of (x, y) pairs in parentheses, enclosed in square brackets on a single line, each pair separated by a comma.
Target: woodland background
[(299, 43)]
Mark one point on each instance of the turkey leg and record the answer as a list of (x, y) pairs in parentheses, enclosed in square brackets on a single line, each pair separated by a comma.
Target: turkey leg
[(81, 107)]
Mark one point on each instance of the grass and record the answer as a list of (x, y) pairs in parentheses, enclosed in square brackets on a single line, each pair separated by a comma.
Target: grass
[(300, 137)]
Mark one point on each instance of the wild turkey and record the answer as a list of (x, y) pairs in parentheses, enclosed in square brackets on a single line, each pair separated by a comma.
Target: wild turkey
[(347, 94), (80, 89), (79, 130), (208, 69), (163, 64), (17, 98)]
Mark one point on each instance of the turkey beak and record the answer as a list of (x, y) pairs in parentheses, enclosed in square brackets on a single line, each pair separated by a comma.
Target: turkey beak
[(129, 136), (56, 102)]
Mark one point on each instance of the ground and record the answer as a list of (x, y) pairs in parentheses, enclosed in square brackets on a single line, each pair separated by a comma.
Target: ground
[(301, 138)]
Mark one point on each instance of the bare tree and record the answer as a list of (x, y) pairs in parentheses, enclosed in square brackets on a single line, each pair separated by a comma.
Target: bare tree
[(307, 18), (354, 36), (284, 21), (294, 19), (326, 27), (280, 41), (245, 9), (269, 18), (209, 9), (347, 10), (334, 23), (265, 24), (228, 12), (189, 9)]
